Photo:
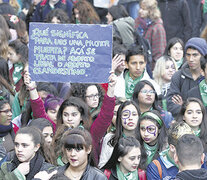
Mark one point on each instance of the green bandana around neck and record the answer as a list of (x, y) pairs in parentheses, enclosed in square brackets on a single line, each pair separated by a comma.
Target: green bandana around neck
[(130, 84), (203, 91), (129, 176), (151, 151), (60, 162), (179, 63), (18, 68), (197, 132), (169, 158)]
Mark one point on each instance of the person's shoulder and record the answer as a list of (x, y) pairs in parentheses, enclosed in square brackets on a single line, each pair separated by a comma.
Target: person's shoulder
[(47, 167), (96, 173)]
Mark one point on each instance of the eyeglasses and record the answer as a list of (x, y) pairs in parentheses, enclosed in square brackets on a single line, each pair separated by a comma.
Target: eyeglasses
[(92, 96), (6, 111), (144, 91)]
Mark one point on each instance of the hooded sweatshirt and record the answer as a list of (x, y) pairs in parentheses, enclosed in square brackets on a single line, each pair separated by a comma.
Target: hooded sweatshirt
[(198, 174)]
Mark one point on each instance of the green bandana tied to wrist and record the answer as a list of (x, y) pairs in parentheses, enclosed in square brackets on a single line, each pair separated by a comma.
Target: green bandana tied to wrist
[(129, 176), (130, 84), (203, 91), (18, 67), (151, 150)]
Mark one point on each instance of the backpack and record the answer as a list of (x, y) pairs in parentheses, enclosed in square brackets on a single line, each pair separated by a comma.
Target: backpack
[(157, 163), (145, 44)]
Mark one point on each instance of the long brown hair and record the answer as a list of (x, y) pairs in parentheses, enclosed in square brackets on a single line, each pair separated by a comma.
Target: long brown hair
[(87, 13)]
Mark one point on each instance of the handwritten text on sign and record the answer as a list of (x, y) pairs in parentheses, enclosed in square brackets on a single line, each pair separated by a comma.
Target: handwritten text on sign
[(70, 53)]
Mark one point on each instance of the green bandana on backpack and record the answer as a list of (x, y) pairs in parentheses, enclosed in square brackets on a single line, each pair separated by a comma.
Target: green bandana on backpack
[(203, 91), (129, 176), (130, 84), (18, 67), (151, 150)]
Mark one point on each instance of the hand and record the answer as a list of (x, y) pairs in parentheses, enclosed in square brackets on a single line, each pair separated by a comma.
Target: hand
[(27, 81), (44, 175), (111, 85), (112, 80), (25, 11), (116, 62), (177, 99), (24, 168)]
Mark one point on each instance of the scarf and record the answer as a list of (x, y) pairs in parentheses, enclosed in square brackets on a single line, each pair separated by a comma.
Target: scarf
[(204, 2), (151, 151), (129, 176), (179, 63), (130, 84), (4, 130), (166, 153), (165, 88), (34, 165), (143, 25), (60, 162), (197, 132), (18, 67), (203, 91)]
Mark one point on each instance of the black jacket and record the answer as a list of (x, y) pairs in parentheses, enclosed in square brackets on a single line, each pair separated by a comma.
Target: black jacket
[(181, 83), (199, 174), (91, 173), (176, 19)]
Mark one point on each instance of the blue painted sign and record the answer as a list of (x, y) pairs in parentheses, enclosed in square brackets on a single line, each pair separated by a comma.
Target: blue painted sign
[(69, 52)]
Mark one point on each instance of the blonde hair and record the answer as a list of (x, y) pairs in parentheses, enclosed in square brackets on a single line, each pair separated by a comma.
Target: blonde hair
[(159, 69), (15, 5), (152, 7)]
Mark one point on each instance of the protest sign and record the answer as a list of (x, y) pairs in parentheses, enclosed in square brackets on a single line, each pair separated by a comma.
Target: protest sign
[(70, 52)]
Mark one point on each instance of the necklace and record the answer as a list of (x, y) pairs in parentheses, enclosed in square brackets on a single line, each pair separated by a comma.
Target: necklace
[(73, 176)]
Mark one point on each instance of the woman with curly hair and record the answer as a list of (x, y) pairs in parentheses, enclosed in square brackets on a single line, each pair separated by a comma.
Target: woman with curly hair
[(57, 16), (92, 94), (17, 28), (84, 13)]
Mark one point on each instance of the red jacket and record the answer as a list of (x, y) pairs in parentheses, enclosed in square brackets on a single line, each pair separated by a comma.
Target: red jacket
[(38, 110), (101, 124)]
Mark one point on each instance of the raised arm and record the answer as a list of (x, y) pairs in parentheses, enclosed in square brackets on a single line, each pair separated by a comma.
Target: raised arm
[(37, 104)]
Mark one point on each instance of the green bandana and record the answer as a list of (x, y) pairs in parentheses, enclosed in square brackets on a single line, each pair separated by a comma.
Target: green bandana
[(164, 104), (129, 176), (197, 132), (18, 67), (130, 84), (203, 91), (60, 162), (179, 63), (151, 150), (205, 7), (166, 153)]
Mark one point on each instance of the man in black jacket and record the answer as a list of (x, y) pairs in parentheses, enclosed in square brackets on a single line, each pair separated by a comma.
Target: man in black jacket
[(188, 76)]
